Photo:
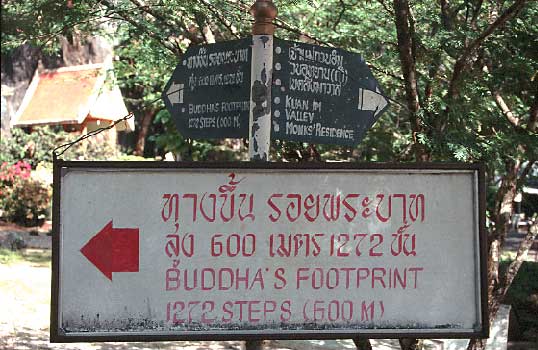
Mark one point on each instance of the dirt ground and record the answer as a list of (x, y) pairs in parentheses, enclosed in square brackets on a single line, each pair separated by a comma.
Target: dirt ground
[(25, 310), (24, 315)]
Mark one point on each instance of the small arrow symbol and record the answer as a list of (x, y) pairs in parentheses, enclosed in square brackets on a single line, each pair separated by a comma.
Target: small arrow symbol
[(371, 101), (175, 93), (113, 250)]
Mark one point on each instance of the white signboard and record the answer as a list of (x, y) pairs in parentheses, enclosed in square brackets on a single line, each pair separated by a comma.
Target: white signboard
[(143, 252)]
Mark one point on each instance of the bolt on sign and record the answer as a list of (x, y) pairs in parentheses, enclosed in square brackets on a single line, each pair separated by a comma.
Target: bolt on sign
[(173, 251), (319, 94)]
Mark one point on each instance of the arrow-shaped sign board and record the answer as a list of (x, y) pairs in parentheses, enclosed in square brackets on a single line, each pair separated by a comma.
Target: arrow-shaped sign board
[(209, 92), (322, 94), (154, 251), (319, 94)]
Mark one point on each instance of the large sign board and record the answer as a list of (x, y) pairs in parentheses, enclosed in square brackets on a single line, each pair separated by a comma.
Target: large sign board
[(322, 94), (171, 251), (208, 94)]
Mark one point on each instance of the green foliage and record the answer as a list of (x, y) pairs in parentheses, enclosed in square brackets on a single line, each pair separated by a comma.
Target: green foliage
[(36, 257), (41, 22), (26, 171), (27, 202), (8, 256), (36, 147), (169, 140), (523, 296), (465, 126)]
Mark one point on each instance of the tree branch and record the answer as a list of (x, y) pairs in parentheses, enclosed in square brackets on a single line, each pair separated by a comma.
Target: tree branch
[(445, 15), (362, 344), (405, 49), (410, 344), (389, 11), (504, 108), (510, 116), (172, 26), (221, 18), (476, 11), (532, 124), (125, 17), (413, 34), (525, 172), (462, 63)]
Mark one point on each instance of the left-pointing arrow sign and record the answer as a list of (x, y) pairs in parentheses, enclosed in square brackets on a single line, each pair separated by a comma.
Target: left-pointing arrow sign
[(113, 250), (175, 93)]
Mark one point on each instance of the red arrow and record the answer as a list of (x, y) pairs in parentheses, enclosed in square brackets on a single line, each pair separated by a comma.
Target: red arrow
[(113, 250)]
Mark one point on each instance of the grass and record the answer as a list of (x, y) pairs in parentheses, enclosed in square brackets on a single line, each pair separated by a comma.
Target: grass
[(36, 257), (9, 256)]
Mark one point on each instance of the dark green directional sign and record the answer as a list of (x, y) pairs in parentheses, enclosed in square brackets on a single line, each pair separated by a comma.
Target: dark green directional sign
[(319, 94), (322, 94), (208, 94)]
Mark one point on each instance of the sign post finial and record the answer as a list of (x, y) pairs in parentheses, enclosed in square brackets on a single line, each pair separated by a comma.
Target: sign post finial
[(264, 13)]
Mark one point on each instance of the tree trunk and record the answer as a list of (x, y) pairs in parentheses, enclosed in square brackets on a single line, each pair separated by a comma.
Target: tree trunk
[(410, 344), (147, 118), (406, 49), (503, 212), (362, 344)]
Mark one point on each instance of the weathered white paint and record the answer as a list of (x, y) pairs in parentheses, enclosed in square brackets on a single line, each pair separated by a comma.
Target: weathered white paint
[(261, 74), (447, 293), (175, 93), (371, 101)]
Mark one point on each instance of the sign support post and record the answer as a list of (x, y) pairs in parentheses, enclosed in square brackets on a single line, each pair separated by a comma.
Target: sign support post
[(264, 12), (259, 141)]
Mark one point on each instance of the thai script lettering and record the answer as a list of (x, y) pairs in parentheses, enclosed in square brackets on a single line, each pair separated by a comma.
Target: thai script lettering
[(310, 72), (223, 205), (308, 85), (228, 79), (313, 54), (349, 207), (203, 59)]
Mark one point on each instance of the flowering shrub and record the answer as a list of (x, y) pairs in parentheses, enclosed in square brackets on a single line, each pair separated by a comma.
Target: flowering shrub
[(23, 199), (8, 173)]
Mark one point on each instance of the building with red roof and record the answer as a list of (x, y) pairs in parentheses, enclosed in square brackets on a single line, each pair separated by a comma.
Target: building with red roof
[(79, 98)]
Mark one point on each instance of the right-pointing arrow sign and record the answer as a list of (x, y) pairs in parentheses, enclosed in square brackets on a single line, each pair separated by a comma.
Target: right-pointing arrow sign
[(371, 101), (322, 94)]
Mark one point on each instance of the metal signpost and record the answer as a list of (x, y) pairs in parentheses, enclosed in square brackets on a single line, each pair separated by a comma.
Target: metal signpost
[(173, 251)]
